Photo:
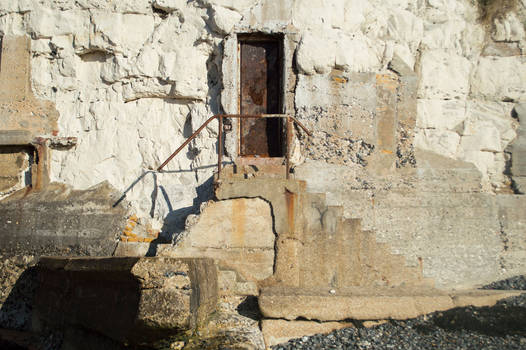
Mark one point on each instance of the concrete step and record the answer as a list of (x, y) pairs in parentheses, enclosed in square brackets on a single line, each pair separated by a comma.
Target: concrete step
[(369, 303), (229, 282)]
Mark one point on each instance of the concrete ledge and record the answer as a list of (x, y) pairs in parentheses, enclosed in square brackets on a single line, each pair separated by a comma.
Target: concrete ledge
[(369, 303)]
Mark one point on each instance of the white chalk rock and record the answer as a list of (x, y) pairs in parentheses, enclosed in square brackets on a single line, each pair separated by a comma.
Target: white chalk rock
[(357, 53), (224, 20), (236, 5), (12, 24), (405, 27), (148, 62), (121, 32), (274, 13), (443, 75), (508, 28), (500, 78), (440, 114), (315, 54), (446, 35), (145, 88), (169, 5), (133, 6), (482, 160), (189, 73), (485, 138), (318, 14), (113, 68), (495, 115), (44, 22), (443, 142)]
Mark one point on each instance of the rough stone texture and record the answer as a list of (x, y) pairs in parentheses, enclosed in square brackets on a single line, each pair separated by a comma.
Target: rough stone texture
[(131, 96), (61, 221), (315, 245), (368, 303), (376, 81), (17, 285), (422, 214), (237, 232), (129, 300)]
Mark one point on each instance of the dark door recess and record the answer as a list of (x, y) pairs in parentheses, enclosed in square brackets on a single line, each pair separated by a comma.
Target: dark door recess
[(260, 93)]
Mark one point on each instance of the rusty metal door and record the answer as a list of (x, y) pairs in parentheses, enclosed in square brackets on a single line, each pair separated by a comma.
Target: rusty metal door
[(260, 92)]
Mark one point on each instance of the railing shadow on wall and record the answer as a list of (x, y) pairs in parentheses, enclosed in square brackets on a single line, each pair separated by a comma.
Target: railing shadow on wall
[(174, 221)]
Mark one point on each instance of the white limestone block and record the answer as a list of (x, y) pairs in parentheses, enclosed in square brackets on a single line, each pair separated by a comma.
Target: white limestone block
[(224, 20), (44, 22), (270, 13), (443, 75), (148, 62), (482, 160), (403, 52), (121, 32), (354, 15), (508, 28), (189, 73), (497, 114), (315, 54), (318, 15), (485, 138), (440, 114), (169, 5), (12, 24), (405, 27), (145, 88), (112, 68), (236, 5), (357, 54), (500, 78), (133, 6), (443, 142), (446, 35)]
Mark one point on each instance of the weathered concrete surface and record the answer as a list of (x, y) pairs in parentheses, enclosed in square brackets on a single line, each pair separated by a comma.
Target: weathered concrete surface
[(19, 109), (61, 221), (283, 197), (238, 233), (315, 246), (24, 120), (368, 303), (280, 331), (129, 300), (434, 215), (518, 154)]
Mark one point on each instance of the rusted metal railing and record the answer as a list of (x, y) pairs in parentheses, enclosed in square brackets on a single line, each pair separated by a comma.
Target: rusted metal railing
[(290, 120)]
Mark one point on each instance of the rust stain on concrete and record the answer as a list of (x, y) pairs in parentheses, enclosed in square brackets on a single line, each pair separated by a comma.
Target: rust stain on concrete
[(290, 198), (238, 222)]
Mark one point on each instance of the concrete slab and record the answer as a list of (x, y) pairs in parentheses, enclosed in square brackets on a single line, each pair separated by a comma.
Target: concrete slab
[(371, 303)]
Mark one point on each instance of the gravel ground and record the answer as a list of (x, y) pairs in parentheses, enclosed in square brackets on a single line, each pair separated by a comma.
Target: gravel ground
[(501, 327)]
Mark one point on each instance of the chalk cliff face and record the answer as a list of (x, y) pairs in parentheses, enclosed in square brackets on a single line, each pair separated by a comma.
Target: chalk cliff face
[(132, 79)]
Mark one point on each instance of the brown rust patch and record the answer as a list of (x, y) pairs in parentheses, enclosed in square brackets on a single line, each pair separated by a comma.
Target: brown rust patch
[(387, 81), (290, 197)]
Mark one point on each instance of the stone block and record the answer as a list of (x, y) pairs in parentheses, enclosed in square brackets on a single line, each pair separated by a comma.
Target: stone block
[(368, 303), (60, 220), (129, 300), (443, 75), (280, 331), (500, 78)]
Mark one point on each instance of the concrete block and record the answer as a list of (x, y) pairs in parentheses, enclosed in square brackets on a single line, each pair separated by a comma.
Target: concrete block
[(129, 300)]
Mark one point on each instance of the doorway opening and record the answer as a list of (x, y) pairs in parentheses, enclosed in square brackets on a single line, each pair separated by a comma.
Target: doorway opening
[(260, 72)]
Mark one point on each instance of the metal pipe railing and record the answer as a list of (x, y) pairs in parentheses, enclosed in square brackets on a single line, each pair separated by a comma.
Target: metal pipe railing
[(220, 117)]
